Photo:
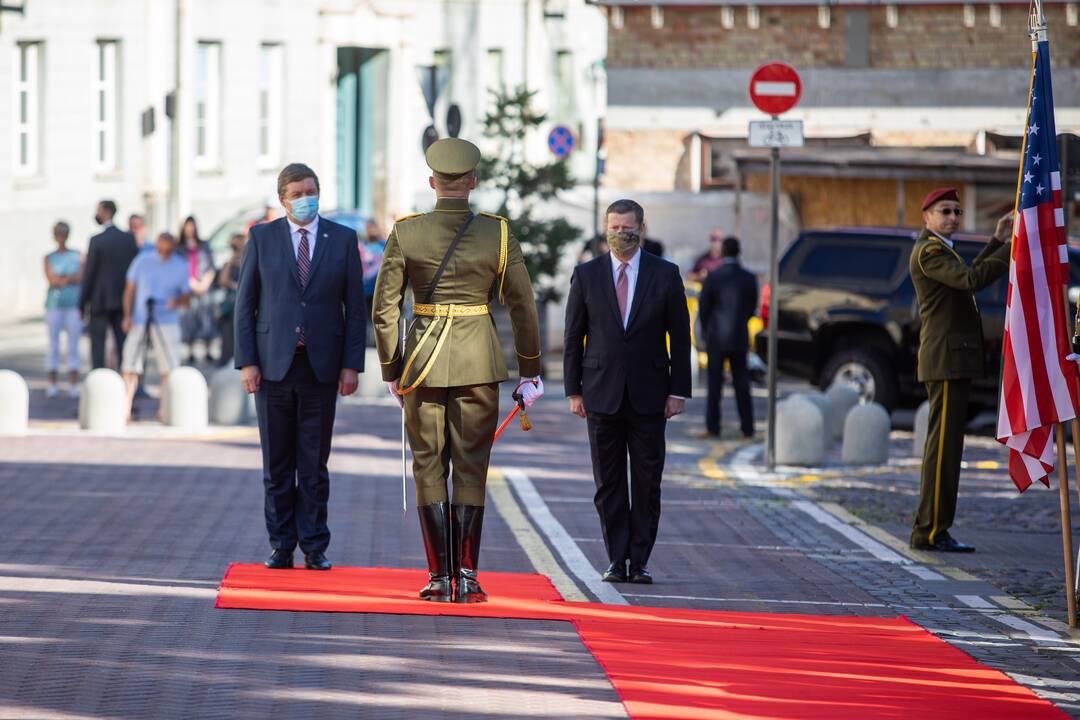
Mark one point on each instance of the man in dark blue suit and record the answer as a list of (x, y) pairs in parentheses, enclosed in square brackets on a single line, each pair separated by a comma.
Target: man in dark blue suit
[(104, 279), (300, 330), (729, 296)]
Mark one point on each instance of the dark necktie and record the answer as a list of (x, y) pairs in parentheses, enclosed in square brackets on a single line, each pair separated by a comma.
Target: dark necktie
[(622, 290), (303, 265)]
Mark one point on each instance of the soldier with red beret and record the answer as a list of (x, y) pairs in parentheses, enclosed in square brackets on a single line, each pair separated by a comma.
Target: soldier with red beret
[(950, 354)]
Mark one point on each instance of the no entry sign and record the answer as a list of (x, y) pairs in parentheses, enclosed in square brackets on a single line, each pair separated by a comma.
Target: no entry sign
[(775, 88)]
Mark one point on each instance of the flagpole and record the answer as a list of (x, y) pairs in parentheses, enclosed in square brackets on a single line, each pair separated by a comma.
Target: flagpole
[(1037, 32)]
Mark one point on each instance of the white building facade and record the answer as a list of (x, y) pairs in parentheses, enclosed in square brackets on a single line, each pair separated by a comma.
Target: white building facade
[(177, 107)]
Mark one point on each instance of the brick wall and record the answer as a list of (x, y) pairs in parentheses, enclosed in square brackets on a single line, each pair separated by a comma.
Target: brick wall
[(926, 37)]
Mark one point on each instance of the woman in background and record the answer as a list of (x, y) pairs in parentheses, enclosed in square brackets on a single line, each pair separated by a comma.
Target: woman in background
[(63, 271), (197, 321)]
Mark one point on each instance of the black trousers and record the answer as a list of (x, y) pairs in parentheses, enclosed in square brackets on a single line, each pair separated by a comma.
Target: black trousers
[(629, 517), (100, 322), (740, 379), (296, 423)]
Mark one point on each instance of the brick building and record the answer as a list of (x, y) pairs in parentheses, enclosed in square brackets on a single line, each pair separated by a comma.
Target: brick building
[(897, 96)]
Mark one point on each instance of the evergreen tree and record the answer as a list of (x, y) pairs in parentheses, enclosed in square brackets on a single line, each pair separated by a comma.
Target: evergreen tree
[(522, 184)]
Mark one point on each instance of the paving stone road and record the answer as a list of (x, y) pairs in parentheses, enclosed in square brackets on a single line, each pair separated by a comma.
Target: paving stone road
[(114, 548)]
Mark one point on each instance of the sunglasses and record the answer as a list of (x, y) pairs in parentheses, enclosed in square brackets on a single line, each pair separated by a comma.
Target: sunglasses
[(950, 211)]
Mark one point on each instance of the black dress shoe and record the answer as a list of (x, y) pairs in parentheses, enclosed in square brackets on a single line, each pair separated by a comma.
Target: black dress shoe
[(616, 573), (280, 560), (950, 545), (640, 575), (316, 561)]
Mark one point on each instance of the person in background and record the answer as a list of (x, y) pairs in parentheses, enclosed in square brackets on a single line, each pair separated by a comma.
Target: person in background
[(270, 212), (157, 287), (137, 228), (371, 255), (197, 320), (654, 247), (101, 292), (712, 259), (63, 270), (228, 278), (729, 295)]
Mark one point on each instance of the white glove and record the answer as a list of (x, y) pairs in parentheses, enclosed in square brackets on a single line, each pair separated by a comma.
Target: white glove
[(530, 393), (1074, 357), (393, 388)]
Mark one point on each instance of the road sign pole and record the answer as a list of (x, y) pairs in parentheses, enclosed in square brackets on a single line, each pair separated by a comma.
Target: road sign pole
[(774, 306)]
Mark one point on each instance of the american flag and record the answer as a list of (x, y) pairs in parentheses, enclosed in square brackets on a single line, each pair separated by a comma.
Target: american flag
[(1038, 387)]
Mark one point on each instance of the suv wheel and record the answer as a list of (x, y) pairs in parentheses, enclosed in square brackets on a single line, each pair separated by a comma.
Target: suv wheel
[(866, 370)]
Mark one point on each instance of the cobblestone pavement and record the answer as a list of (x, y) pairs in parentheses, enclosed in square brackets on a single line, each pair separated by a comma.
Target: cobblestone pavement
[(114, 548)]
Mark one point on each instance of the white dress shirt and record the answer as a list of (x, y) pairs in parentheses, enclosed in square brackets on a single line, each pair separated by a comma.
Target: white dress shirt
[(634, 264), (312, 232)]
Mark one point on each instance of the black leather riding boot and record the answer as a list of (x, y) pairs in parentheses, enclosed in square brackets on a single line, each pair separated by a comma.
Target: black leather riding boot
[(435, 527), (468, 521)]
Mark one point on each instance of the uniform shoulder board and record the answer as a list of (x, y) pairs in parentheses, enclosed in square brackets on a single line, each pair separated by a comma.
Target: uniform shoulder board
[(933, 248), (493, 216), (409, 217)]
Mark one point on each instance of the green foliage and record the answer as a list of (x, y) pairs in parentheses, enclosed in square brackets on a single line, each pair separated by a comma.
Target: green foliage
[(523, 184)]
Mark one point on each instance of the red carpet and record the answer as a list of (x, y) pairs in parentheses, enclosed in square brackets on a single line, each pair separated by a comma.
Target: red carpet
[(669, 663)]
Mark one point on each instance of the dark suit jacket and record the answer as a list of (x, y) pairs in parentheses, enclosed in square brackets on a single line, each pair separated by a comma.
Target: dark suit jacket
[(111, 252), (270, 306), (637, 357), (728, 299)]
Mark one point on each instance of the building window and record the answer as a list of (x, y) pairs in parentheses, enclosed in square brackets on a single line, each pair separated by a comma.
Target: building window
[(207, 104), (107, 106), (727, 17), (995, 15), (892, 16), (27, 107), (617, 17), (564, 86), (657, 17), (824, 16), (969, 15), (496, 71), (1072, 14), (753, 17), (271, 80)]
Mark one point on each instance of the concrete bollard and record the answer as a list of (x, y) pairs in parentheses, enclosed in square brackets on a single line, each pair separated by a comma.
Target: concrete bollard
[(866, 435), (186, 398), (842, 397), (371, 382), (229, 404), (14, 404), (922, 421), (800, 432), (103, 402), (821, 403)]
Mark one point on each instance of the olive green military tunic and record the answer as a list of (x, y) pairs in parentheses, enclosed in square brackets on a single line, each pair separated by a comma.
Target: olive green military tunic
[(451, 367), (950, 356)]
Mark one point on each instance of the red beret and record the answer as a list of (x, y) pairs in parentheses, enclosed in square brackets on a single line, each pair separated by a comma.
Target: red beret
[(940, 194)]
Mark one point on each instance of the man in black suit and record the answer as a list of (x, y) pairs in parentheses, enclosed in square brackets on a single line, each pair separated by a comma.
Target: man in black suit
[(300, 324), (102, 294), (728, 298), (625, 383)]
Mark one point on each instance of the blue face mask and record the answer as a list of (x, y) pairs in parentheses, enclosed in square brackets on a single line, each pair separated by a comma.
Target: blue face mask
[(305, 208)]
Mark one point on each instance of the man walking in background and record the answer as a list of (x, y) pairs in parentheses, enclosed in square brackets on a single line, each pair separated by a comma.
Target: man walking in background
[(625, 382), (951, 355), (104, 279), (728, 298), (300, 327)]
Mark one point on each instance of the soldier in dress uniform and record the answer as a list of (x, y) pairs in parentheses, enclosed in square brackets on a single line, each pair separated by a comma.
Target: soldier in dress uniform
[(950, 354), (449, 373)]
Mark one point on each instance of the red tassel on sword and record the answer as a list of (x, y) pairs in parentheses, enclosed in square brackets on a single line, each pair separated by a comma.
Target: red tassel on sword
[(519, 408)]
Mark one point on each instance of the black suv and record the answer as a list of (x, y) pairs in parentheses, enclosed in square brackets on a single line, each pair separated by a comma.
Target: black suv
[(848, 312)]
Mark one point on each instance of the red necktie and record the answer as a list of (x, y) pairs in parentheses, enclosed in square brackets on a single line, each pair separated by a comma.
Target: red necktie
[(303, 265), (622, 291)]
